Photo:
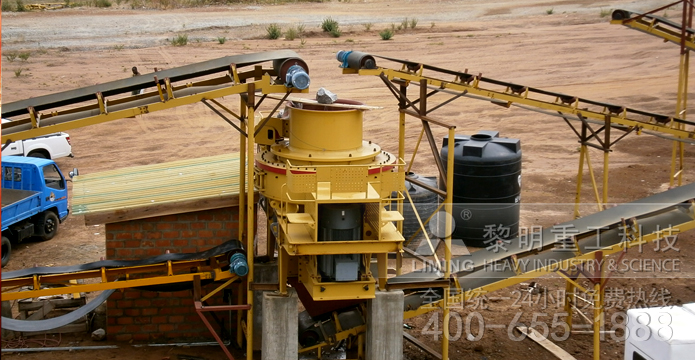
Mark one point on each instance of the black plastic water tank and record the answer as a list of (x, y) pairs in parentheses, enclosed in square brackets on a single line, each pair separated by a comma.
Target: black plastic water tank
[(487, 187)]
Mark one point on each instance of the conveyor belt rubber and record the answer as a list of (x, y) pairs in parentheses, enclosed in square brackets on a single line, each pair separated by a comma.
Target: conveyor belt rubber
[(653, 212), (229, 246), (138, 82), (48, 324)]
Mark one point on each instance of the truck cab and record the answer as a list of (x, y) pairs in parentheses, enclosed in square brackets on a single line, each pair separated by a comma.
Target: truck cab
[(34, 200)]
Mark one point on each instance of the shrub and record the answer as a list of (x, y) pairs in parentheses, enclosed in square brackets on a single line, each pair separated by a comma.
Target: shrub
[(413, 23), (328, 25), (274, 31), (18, 72), (10, 56), (549, 11), (221, 39), (20, 8), (604, 13), (6, 6), (367, 26), (24, 56), (291, 33), (404, 24), (336, 32), (386, 34), (180, 40), (102, 3)]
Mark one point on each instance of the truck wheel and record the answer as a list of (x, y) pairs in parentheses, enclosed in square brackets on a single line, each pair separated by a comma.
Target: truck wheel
[(47, 225), (6, 251), (38, 154)]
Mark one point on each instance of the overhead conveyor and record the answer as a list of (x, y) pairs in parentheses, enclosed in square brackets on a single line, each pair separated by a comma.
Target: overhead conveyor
[(165, 89), (597, 120), (680, 34)]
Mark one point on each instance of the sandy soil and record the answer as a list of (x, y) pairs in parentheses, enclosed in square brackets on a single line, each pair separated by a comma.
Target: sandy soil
[(573, 50)]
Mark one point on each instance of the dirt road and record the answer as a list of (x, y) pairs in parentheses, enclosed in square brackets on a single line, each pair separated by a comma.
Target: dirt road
[(563, 46)]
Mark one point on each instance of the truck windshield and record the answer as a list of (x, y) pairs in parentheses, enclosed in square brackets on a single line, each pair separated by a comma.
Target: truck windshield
[(53, 178)]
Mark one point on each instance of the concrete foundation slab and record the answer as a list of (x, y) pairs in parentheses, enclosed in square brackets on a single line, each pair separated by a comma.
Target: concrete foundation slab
[(280, 326), (384, 338)]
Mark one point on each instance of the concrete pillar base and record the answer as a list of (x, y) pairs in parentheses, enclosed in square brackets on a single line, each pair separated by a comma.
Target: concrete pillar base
[(263, 273), (384, 338), (281, 326)]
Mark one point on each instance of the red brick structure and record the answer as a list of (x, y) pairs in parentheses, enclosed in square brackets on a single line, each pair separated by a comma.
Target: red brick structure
[(147, 315)]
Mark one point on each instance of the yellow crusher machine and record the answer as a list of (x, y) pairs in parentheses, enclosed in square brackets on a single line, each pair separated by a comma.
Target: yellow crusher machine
[(334, 200)]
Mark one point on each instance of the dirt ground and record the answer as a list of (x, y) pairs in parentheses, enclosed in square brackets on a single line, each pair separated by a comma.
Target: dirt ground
[(562, 46)]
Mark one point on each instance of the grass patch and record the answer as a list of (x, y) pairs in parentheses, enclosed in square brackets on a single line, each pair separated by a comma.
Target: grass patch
[(20, 8), (432, 24), (336, 32), (367, 26), (329, 25), (221, 40), (11, 56), (18, 72), (180, 40), (386, 34), (102, 3), (24, 56), (291, 33), (605, 13), (6, 6), (413, 23), (550, 11), (404, 24), (273, 31)]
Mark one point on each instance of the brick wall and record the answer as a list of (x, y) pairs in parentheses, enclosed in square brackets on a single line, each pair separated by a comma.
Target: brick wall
[(147, 315)]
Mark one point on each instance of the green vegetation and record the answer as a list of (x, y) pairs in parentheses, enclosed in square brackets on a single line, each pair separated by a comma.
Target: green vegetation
[(118, 47), (221, 40), (24, 56), (335, 32), (291, 33), (329, 25), (413, 23), (11, 56), (180, 40), (367, 26), (274, 31), (404, 24), (549, 11), (6, 6), (386, 34), (20, 8), (605, 13), (18, 72), (102, 3)]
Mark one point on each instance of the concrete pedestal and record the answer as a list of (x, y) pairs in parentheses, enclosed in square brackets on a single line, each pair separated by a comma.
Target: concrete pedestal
[(280, 326), (384, 338), (7, 312), (263, 273)]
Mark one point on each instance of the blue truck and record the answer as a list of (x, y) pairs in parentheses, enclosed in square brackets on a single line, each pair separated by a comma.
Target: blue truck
[(34, 200)]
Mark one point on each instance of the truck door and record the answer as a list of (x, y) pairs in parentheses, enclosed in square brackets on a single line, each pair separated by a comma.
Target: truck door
[(55, 193)]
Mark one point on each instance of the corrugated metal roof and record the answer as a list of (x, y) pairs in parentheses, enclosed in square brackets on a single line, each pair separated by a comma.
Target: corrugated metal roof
[(159, 189)]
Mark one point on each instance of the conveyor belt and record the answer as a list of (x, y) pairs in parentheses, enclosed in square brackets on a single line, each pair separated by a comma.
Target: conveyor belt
[(658, 26), (660, 210), (56, 322), (227, 247), (465, 76), (139, 82)]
